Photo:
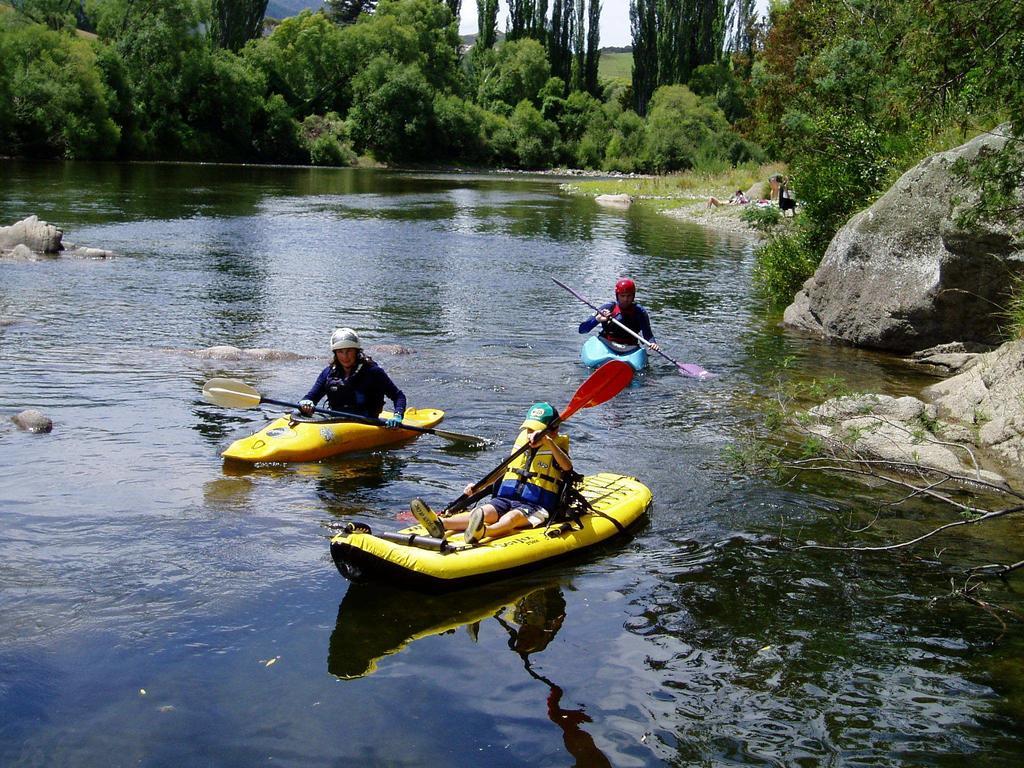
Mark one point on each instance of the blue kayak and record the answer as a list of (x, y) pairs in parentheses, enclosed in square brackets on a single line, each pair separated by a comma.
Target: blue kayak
[(597, 351)]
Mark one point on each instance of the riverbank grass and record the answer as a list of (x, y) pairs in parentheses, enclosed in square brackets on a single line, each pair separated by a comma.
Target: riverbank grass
[(686, 195), (677, 190)]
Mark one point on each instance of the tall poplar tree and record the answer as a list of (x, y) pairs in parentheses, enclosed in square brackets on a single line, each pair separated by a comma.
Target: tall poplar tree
[(643, 23), (347, 11), (560, 39), (520, 19), (741, 20), (593, 53), (236, 22), (455, 6), (674, 38), (486, 23), (527, 18)]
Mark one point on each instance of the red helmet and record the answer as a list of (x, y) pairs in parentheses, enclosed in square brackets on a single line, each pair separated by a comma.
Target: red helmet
[(625, 285)]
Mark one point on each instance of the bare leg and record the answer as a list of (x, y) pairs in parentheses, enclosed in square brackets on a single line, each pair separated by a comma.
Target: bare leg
[(511, 521), (458, 522)]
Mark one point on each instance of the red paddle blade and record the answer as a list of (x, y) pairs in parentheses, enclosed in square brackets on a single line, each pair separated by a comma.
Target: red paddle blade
[(604, 384)]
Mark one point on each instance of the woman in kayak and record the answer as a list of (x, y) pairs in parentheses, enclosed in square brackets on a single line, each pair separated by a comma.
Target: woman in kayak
[(525, 496), (354, 383), (626, 311)]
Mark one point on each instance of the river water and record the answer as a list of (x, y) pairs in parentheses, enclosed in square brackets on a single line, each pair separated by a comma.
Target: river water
[(161, 608)]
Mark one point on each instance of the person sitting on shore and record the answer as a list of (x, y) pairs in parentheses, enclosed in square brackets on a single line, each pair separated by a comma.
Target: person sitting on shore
[(738, 198)]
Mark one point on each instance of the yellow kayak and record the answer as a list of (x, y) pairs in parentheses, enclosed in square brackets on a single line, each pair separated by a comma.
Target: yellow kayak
[(297, 438), (411, 558)]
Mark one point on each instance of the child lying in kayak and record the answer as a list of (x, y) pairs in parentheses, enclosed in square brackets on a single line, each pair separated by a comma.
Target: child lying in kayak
[(530, 489)]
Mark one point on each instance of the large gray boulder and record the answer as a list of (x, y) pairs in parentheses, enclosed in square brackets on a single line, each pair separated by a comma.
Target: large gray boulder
[(903, 276), (36, 235)]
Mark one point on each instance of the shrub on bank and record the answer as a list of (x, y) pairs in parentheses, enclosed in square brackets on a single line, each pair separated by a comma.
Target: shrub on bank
[(761, 217), (783, 263), (326, 138)]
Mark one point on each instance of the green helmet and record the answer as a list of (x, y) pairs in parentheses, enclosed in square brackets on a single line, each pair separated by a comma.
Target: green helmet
[(540, 415)]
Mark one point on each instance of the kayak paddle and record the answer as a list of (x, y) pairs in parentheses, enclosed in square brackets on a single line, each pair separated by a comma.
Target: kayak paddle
[(686, 369), (602, 385), (232, 393)]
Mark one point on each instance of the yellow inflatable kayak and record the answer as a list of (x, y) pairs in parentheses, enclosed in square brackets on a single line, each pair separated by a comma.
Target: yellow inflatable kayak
[(412, 559), (297, 438)]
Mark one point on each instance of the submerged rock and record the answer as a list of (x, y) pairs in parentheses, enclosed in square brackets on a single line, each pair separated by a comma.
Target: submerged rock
[(84, 252), (951, 358), (32, 420), (226, 352), (902, 275), (618, 201), (390, 349)]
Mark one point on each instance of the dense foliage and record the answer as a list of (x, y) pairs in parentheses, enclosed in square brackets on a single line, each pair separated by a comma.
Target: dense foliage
[(203, 80), (852, 94)]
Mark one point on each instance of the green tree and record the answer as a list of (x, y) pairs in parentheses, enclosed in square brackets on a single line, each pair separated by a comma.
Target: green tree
[(392, 110), (585, 129), (681, 128), (309, 62), (459, 129), (627, 145), (438, 38), (326, 139), (55, 103), (535, 137), (519, 71), (55, 14)]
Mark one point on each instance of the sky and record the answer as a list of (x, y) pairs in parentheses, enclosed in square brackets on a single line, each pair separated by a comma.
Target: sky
[(614, 20)]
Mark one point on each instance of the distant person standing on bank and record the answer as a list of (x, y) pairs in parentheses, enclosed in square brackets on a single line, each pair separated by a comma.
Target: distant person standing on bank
[(787, 200)]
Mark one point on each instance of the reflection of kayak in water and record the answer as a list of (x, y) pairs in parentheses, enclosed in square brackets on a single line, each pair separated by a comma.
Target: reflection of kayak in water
[(410, 558), (376, 621), (597, 351)]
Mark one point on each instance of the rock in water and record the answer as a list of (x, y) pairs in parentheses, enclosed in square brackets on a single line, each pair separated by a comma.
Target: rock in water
[(32, 420)]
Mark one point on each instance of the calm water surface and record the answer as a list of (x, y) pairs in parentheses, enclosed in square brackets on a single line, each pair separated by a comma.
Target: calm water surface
[(160, 608)]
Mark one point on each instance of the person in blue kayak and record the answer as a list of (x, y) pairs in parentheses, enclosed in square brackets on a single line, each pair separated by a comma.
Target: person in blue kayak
[(527, 493), (354, 383), (626, 311)]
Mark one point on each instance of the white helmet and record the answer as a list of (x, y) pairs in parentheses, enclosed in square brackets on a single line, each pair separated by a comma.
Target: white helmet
[(345, 338)]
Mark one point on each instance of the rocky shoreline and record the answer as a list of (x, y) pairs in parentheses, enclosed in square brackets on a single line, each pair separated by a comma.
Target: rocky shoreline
[(723, 218)]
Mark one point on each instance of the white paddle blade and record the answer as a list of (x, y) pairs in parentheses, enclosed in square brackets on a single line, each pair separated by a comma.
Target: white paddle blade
[(231, 393)]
